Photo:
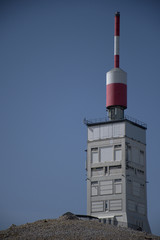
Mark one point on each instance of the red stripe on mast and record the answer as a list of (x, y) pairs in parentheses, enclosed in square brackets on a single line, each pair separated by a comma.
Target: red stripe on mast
[(116, 61), (117, 24)]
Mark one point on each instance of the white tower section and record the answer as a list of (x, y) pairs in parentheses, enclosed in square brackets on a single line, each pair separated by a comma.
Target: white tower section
[(116, 173)]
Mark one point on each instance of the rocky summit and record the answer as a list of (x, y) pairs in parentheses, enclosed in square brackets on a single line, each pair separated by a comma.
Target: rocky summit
[(72, 227)]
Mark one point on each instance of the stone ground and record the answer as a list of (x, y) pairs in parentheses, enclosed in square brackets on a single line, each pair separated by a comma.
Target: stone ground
[(69, 227)]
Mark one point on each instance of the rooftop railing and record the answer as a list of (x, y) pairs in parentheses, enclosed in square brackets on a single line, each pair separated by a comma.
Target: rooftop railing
[(106, 119)]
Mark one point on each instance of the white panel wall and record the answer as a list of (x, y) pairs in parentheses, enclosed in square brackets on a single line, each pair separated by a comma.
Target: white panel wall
[(96, 133), (106, 131), (90, 133), (118, 130)]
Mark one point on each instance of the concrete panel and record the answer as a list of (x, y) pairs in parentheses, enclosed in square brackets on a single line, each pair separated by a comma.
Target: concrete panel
[(131, 205), (141, 208), (96, 172), (117, 154), (135, 155), (94, 188), (135, 132), (115, 205), (90, 133), (119, 129), (141, 158), (115, 169), (95, 157), (118, 188), (106, 154), (106, 187), (97, 206), (96, 133), (136, 189), (106, 131)]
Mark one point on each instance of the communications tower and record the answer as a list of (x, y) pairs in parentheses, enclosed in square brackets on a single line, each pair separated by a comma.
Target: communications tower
[(116, 157)]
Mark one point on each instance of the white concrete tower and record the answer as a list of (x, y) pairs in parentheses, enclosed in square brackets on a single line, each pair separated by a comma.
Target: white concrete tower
[(116, 158)]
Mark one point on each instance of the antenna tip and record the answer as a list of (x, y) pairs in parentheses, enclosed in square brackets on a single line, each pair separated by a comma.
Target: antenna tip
[(117, 13)]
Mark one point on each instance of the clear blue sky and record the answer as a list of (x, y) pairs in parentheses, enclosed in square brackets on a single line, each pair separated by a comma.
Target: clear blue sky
[(54, 55)]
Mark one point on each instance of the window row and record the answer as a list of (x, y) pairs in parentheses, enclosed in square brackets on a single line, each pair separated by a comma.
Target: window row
[(136, 207), (106, 206), (106, 187), (132, 170), (105, 171), (106, 154), (135, 155)]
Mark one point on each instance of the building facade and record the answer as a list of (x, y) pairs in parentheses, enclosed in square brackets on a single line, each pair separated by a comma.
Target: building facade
[(116, 173)]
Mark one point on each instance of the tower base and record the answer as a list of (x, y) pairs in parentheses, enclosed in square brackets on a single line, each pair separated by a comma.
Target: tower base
[(115, 113)]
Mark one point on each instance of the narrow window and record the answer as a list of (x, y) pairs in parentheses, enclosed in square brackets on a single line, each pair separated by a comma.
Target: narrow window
[(117, 186), (117, 154), (106, 206), (94, 188), (94, 152)]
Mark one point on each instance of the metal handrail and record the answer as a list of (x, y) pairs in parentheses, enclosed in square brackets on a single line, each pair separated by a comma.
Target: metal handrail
[(106, 119)]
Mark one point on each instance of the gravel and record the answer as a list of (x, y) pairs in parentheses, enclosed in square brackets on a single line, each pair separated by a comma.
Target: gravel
[(69, 227)]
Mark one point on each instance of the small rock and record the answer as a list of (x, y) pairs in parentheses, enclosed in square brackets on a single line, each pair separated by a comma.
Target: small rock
[(69, 216)]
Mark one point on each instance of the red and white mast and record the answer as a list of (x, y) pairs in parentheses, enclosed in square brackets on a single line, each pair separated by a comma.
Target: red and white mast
[(116, 81), (116, 40)]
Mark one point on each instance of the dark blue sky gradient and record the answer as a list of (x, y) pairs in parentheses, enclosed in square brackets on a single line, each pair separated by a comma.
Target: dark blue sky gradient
[(54, 56)]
